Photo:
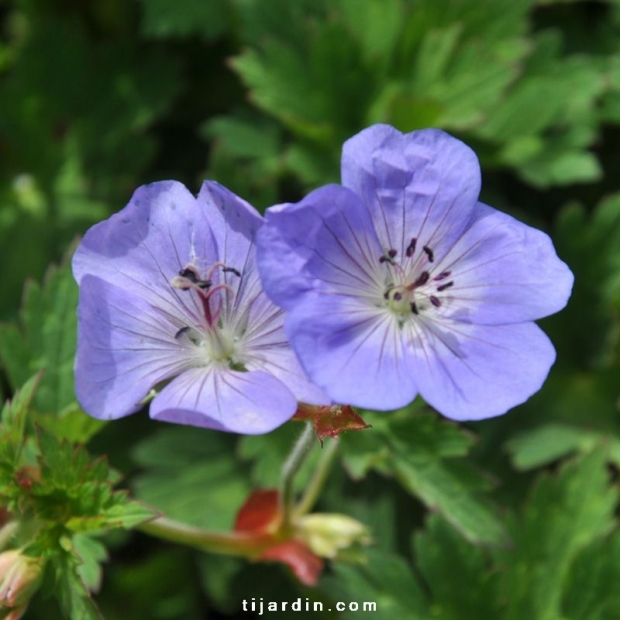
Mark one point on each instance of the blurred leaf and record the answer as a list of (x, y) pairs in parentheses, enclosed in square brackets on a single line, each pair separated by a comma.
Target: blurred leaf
[(441, 488), (465, 77), (590, 592), (71, 424), (564, 515), (590, 244), (386, 581), (191, 475), (76, 122), (548, 443), (160, 585), (13, 439), (363, 452), (458, 574), (247, 155), (45, 340), (544, 132), (217, 574), (376, 24), (14, 411), (162, 18), (416, 449)]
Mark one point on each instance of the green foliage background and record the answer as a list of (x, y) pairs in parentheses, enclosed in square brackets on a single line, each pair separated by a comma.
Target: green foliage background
[(513, 518)]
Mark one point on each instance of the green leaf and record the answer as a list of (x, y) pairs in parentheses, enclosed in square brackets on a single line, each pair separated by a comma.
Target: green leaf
[(441, 488), (376, 24), (420, 448), (13, 419), (458, 574), (591, 591), (14, 443), (191, 475), (76, 491), (217, 574), (385, 580), (73, 595), (548, 443), (591, 246), (363, 452), (118, 511), (71, 424), (246, 155), (564, 515), (45, 340), (91, 553), (161, 585), (183, 18)]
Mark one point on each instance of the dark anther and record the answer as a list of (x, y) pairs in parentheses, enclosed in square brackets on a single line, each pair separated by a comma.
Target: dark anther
[(398, 296), (386, 295), (414, 308), (435, 301), (442, 275), (411, 247), (182, 330), (232, 270), (429, 253), (388, 258), (392, 253), (423, 279), (190, 273), (443, 287)]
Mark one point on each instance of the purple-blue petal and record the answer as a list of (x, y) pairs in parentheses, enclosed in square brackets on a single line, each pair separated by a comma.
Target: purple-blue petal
[(124, 349), (144, 245), (223, 399), (471, 372), (503, 272), (326, 242), (421, 185), (234, 224), (353, 352)]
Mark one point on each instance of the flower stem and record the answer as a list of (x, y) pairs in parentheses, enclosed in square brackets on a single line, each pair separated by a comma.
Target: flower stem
[(290, 468), (315, 486), (235, 543)]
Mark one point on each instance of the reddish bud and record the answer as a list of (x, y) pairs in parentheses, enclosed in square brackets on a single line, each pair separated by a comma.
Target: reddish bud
[(306, 566), (260, 514)]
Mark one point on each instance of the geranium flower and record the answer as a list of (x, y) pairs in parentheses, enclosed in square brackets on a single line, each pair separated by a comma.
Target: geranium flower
[(400, 282), (170, 301)]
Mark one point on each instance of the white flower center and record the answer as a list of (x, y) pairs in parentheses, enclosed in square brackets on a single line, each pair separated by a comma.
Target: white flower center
[(412, 288), (214, 341)]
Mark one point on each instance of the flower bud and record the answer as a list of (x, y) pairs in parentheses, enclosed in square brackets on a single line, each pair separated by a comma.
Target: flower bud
[(327, 534), (20, 577)]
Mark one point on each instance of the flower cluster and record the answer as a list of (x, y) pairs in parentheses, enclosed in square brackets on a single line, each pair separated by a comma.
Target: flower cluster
[(396, 283)]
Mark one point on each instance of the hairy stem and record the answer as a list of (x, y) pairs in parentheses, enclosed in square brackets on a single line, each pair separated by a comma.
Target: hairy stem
[(248, 545), (314, 488), (290, 468)]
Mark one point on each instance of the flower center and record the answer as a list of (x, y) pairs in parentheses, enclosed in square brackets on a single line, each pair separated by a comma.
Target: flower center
[(412, 288), (217, 342)]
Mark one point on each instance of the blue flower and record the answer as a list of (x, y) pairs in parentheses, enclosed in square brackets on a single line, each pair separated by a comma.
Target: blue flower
[(400, 282), (171, 304)]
